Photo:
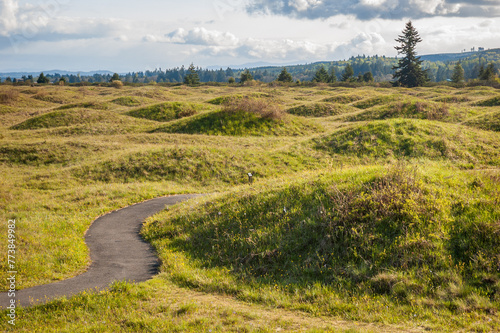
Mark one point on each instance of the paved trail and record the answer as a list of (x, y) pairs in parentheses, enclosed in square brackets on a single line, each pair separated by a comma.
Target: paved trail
[(117, 252)]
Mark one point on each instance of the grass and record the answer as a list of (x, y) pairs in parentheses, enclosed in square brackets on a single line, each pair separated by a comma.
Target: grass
[(378, 213), (167, 111), (350, 244)]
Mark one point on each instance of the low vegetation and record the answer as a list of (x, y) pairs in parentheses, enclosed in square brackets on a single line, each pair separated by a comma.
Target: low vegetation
[(372, 209)]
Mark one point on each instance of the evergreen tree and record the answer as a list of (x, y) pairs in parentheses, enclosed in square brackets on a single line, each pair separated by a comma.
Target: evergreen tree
[(321, 75), (368, 77), (458, 73), (488, 73), (115, 77), (332, 77), (192, 76), (246, 76), (8, 80), (348, 74), (409, 72), (42, 79), (285, 76)]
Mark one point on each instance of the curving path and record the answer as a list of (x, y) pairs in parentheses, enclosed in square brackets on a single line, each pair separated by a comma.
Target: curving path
[(117, 252)]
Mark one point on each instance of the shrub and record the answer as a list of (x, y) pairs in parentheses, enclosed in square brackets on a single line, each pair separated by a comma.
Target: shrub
[(260, 107), (117, 84), (9, 96)]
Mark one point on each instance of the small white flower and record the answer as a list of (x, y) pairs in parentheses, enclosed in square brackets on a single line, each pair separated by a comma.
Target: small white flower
[(284, 209)]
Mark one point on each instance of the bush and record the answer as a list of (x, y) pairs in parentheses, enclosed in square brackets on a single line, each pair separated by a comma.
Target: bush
[(260, 107), (9, 96), (117, 84)]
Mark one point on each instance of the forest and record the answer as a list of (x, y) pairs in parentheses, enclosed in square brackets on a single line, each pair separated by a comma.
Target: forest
[(439, 68)]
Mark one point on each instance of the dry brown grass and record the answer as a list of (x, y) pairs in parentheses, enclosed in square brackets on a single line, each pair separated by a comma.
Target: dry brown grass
[(9, 96), (263, 108)]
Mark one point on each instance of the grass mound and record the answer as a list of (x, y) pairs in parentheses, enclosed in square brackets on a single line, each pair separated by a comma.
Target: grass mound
[(494, 101), (414, 138), (83, 121), (343, 98), (224, 99), (489, 121), (86, 105), (64, 118), (167, 111), (127, 101), (205, 165), (56, 97), (45, 153), (344, 244), (370, 102), (244, 117), (319, 110), (404, 109)]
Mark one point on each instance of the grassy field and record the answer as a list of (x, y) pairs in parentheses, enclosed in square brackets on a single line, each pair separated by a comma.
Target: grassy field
[(373, 209)]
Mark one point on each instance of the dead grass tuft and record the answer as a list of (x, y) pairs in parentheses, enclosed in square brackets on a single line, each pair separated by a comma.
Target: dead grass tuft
[(263, 108)]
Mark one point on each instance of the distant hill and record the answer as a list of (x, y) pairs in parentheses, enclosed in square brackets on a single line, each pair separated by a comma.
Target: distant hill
[(438, 66), (18, 75)]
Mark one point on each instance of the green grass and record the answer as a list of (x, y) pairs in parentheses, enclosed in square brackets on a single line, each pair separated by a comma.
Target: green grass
[(127, 101), (65, 118), (380, 214), (489, 121), (168, 111), (240, 123), (414, 139), (398, 245), (320, 110)]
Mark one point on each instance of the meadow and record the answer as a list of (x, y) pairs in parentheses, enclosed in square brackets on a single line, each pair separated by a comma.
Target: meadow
[(372, 208)]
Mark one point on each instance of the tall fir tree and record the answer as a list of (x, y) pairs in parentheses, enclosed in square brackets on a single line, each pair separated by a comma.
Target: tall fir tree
[(408, 71), (192, 76), (332, 77), (321, 75), (348, 74), (458, 75)]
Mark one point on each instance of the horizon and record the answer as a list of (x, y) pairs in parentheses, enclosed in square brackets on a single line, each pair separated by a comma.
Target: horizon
[(213, 67), (119, 35)]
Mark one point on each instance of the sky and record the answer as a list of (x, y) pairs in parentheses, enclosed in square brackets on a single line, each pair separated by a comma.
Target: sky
[(125, 36)]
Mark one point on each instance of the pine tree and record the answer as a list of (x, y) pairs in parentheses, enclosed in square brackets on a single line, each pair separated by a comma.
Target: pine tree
[(409, 72), (348, 74), (368, 77), (321, 75), (246, 76), (332, 77), (488, 73), (42, 79), (192, 76), (115, 77), (458, 73), (285, 76)]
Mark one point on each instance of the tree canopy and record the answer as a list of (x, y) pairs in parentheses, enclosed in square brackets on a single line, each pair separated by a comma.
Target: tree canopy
[(192, 76), (285, 76), (408, 71)]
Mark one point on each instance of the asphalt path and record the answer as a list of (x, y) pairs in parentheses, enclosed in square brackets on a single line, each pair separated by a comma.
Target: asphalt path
[(117, 252)]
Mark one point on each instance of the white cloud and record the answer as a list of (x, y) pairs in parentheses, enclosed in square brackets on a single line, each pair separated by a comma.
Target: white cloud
[(8, 16), (201, 36), (363, 43)]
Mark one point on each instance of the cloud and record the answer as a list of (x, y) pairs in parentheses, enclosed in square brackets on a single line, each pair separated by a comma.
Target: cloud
[(363, 43), (205, 43), (370, 9), (201, 36), (43, 23)]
